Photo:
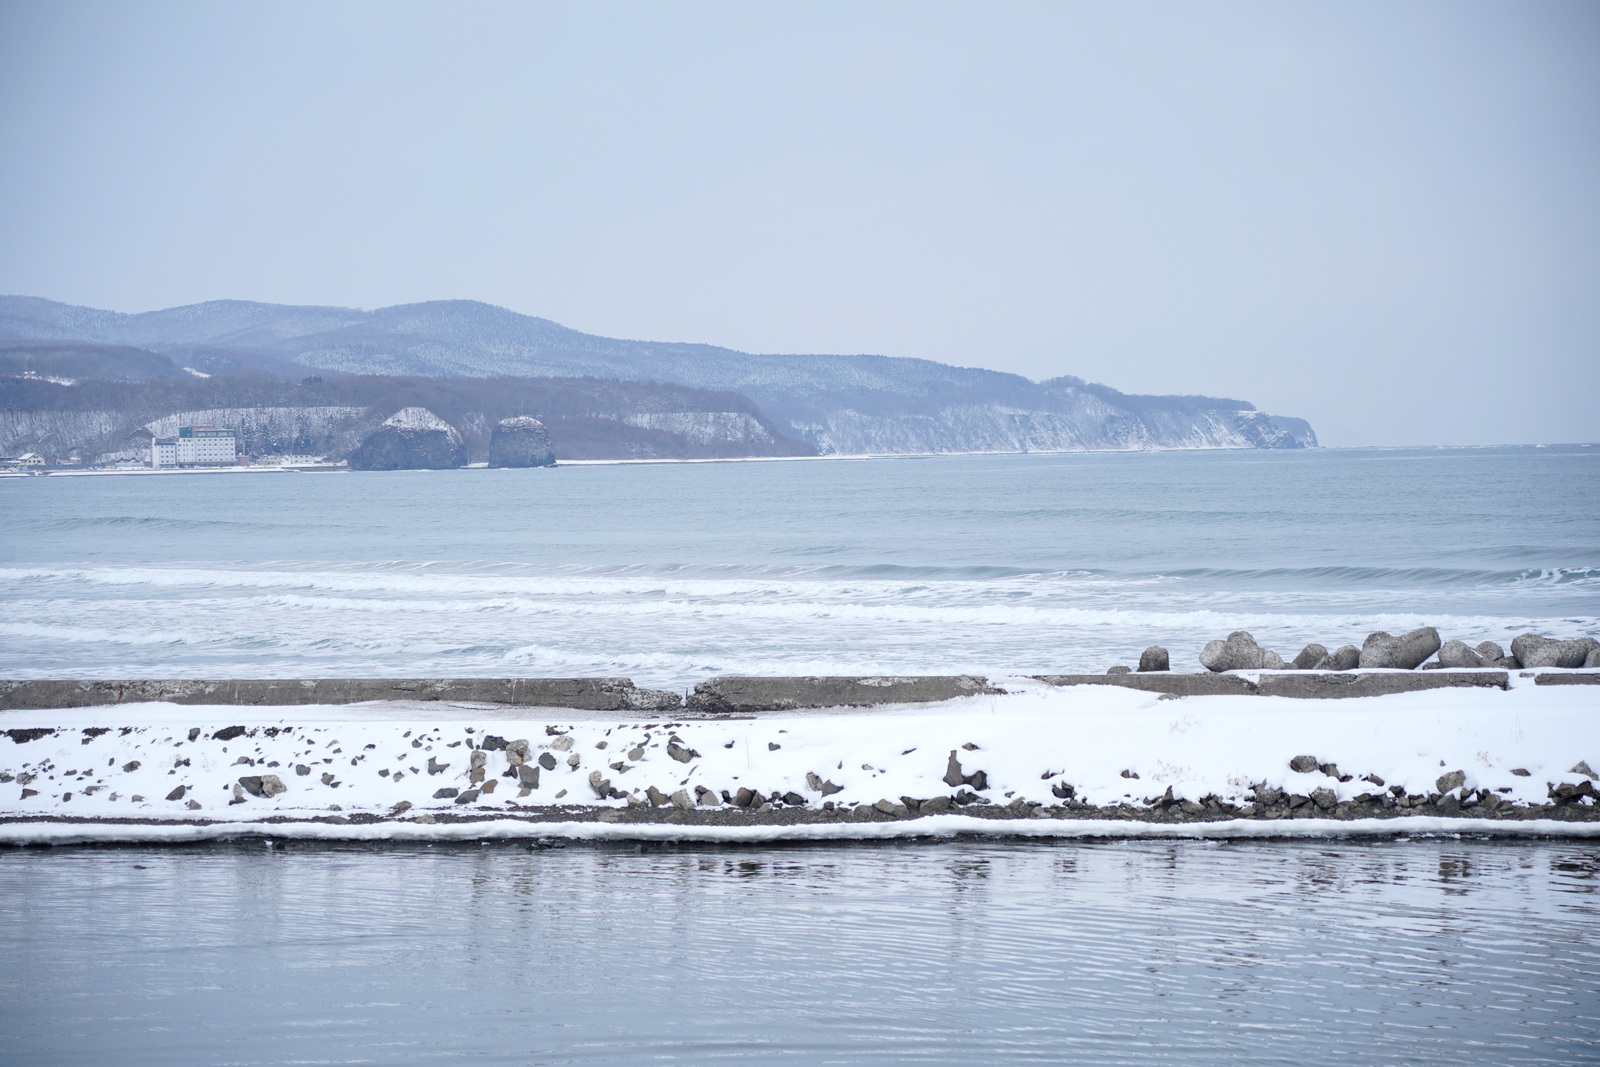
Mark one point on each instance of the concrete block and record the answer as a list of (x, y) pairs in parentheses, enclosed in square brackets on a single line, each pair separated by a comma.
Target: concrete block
[(591, 694), (742, 695), (1334, 684), (1181, 685)]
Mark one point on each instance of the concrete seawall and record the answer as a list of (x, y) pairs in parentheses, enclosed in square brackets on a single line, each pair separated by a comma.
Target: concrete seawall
[(734, 695)]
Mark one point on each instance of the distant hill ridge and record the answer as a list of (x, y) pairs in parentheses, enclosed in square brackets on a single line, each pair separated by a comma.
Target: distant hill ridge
[(839, 403)]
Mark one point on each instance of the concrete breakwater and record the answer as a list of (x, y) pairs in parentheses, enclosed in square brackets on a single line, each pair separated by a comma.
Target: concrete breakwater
[(1239, 651), (730, 695)]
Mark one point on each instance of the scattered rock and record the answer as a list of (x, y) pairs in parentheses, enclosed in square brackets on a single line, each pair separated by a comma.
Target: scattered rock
[(935, 805), (492, 743), (953, 775), (528, 776), (562, 743), (467, 796), (1406, 652), (682, 754), (547, 761), (1450, 780), (707, 798), (1304, 764), (794, 800), (131, 765), (227, 733), (600, 784), (1324, 798), (434, 767), (1154, 658), (821, 785), (742, 797), (489, 786), (889, 807), (327, 778), (193, 805), (1521, 772), (177, 794), (401, 808), (1582, 767), (301, 769), (681, 800), (477, 766), (445, 792)]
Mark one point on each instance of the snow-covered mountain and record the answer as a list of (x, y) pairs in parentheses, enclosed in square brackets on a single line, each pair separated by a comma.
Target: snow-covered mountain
[(855, 403)]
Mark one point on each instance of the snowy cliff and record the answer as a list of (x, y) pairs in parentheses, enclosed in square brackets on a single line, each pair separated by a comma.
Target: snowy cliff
[(854, 403)]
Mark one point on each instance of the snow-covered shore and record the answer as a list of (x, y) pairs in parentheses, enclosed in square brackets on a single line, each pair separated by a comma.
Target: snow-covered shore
[(1036, 761)]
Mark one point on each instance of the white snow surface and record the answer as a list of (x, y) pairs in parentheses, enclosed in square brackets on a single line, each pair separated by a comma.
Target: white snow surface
[(1026, 742), (417, 419)]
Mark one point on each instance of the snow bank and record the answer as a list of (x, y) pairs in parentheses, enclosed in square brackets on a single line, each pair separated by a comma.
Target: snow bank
[(1041, 750)]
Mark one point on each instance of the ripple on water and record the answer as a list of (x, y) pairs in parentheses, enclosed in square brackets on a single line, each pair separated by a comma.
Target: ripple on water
[(1420, 952)]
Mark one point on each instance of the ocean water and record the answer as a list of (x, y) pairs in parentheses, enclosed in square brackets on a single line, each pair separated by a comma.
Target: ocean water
[(670, 573), (1404, 952)]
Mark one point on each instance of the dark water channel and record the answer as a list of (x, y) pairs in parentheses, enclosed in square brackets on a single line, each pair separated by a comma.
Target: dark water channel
[(1403, 952)]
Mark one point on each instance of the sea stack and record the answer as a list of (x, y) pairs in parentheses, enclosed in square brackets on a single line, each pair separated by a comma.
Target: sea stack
[(521, 441), (410, 439)]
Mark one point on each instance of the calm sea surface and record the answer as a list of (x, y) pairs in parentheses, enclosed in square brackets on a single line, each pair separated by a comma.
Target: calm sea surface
[(670, 573), (1406, 952)]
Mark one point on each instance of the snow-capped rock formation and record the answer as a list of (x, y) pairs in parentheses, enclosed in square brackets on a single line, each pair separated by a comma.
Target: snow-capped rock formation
[(520, 441), (410, 439)]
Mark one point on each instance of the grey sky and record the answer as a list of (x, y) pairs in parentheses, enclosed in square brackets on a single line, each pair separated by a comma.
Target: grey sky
[(1383, 217)]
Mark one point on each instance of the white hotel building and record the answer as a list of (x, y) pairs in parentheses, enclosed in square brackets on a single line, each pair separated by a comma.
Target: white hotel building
[(196, 446)]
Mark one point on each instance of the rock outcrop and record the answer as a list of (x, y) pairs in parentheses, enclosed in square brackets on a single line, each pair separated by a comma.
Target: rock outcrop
[(521, 441), (410, 439)]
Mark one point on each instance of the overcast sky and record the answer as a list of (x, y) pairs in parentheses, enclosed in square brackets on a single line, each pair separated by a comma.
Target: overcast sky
[(1383, 217)]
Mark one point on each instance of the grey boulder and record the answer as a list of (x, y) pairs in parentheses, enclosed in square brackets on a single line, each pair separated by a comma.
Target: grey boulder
[(1238, 653), (1309, 658), (1154, 658), (1458, 654), (1406, 652), (1533, 650)]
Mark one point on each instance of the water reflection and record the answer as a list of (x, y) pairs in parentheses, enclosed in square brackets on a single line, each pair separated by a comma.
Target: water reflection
[(961, 952)]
